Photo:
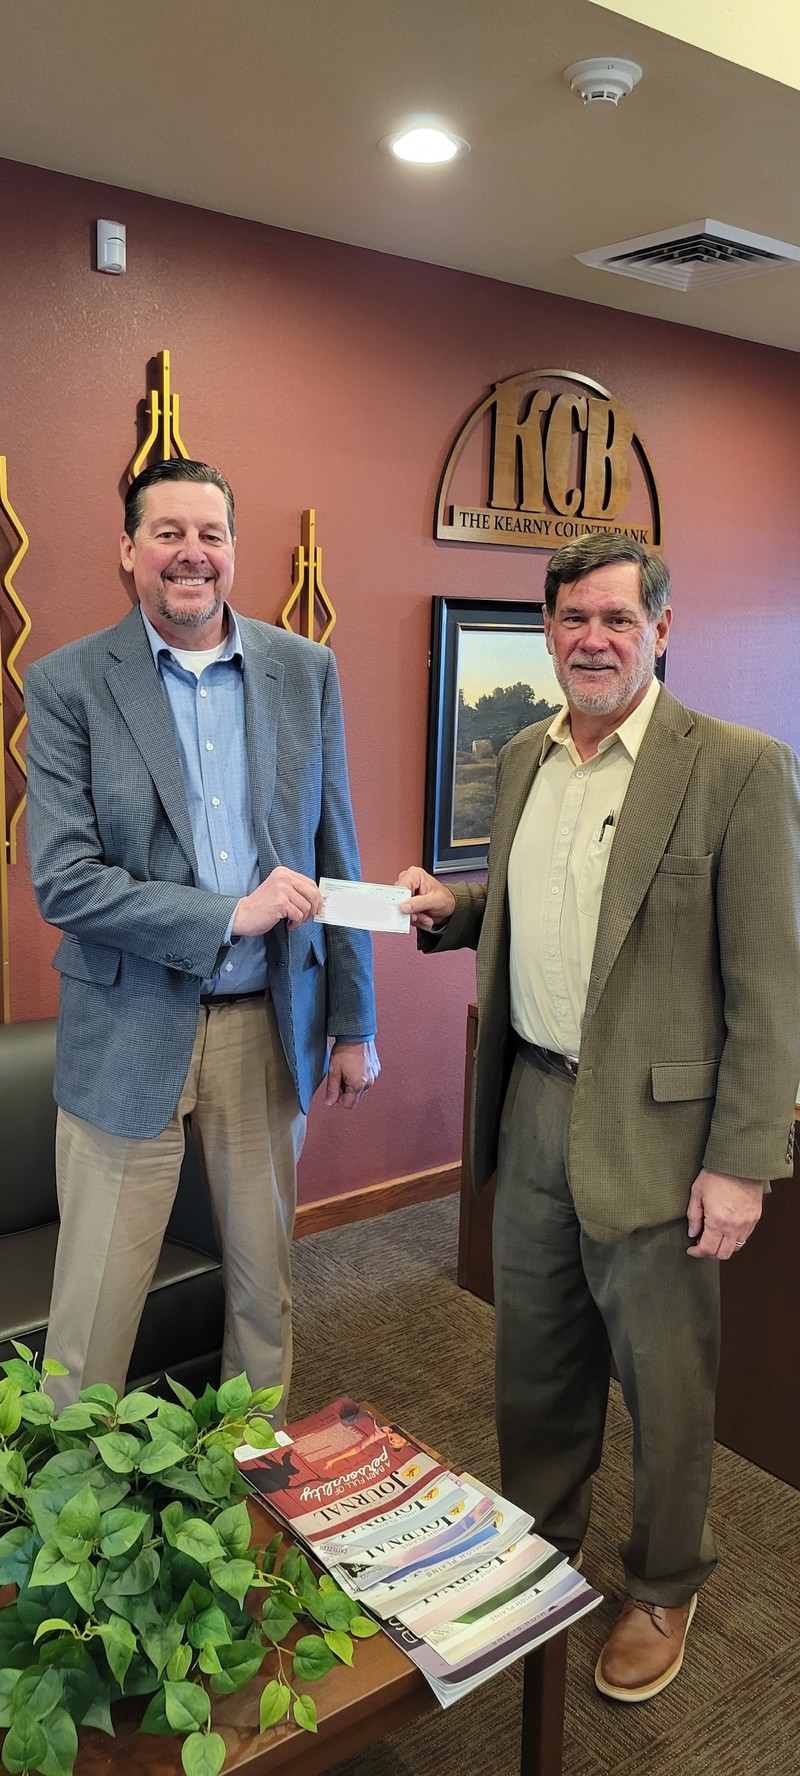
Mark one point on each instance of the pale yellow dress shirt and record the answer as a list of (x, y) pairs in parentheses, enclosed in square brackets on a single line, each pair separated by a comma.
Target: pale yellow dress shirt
[(556, 872)]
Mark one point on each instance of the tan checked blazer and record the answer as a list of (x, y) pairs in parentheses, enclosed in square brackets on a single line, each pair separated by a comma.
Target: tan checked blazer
[(690, 1053)]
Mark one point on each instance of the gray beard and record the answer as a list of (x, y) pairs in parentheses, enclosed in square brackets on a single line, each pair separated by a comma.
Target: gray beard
[(618, 695), (191, 618)]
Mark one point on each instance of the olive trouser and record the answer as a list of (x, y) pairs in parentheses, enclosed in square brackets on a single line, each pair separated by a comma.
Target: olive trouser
[(566, 1305)]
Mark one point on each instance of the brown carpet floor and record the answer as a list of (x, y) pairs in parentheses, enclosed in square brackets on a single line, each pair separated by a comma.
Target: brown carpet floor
[(378, 1314)]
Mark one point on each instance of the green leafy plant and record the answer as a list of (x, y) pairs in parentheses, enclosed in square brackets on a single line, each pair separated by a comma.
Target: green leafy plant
[(124, 1529)]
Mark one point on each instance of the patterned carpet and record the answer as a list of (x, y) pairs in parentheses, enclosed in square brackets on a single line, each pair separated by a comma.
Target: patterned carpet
[(379, 1315)]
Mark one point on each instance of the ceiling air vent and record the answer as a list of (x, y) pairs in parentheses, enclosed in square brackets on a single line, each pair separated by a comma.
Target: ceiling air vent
[(696, 253)]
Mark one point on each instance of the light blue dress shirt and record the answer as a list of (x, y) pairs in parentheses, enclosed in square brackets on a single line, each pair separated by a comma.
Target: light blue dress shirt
[(208, 712)]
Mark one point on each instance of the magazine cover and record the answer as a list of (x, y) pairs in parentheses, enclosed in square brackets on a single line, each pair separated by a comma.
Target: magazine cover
[(336, 1467)]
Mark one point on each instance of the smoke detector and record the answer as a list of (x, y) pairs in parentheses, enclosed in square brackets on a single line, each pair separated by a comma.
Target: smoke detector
[(602, 79)]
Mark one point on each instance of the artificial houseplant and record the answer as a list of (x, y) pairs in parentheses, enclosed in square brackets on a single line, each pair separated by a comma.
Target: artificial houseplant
[(124, 1529)]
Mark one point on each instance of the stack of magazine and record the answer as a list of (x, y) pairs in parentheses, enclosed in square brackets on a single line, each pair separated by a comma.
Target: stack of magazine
[(454, 1573)]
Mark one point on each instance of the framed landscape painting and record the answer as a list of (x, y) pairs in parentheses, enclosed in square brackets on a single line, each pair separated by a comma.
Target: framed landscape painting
[(491, 675)]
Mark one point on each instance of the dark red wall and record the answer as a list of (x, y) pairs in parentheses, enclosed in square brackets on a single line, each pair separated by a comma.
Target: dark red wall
[(319, 374)]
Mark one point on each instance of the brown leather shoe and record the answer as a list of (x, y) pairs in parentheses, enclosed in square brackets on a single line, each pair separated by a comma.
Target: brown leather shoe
[(644, 1651)]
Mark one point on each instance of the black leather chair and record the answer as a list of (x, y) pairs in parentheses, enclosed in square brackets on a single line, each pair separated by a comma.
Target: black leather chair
[(181, 1327)]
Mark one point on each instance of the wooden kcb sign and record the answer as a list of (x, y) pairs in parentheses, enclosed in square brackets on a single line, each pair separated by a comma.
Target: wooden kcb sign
[(564, 459)]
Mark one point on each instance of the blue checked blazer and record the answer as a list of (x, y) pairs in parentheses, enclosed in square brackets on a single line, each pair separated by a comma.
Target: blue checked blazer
[(113, 866)]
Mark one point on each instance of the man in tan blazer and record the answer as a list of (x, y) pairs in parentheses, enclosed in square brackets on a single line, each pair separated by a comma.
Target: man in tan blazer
[(638, 1053)]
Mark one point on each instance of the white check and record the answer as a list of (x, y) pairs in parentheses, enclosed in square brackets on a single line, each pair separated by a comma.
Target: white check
[(365, 906)]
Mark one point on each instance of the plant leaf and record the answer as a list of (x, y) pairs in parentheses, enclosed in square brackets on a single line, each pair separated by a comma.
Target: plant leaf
[(13, 1471), (140, 1575), (184, 1394), (160, 1643), (312, 1658), (100, 1391), (10, 1414), (234, 1529), (197, 1539), (50, 1567), (203, 1754), (268, 1398), (178, 1665), (363, 1627), (259, 1434), (270, 1553), (240, 1661), (62, 1744), (305, 1713), (8, 1679), (119, 1642), (135, 1407), (24, 1746), (80, 1519), (217, 1470), (119, 1450), (157, 1457), (51, 1366), (18, 1549), (23, 1350), (184, 1481), (38, 1692), (340, 1644), (234, 1396), (85, 1585), (178, 1422), (210, 1627), (187, 1706), (234, 1576), (208, 1658), (274, 1704), (154, 1719), (120, 1530), (36, 1409), (276, 1619), (21, 1373), (339, 1610), (79, 1417), (51, 1625)]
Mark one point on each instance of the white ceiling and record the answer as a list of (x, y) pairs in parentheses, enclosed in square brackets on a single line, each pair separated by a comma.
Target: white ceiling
[(273, 109)]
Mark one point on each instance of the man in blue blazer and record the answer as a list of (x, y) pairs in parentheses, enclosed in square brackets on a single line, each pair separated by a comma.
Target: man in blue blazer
[(187, 788)]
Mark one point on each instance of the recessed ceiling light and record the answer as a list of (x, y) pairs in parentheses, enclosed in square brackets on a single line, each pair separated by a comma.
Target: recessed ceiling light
[(426, 146)]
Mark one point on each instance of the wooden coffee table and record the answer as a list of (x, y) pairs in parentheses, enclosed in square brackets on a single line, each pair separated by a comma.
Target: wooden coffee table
[(356, 1707)]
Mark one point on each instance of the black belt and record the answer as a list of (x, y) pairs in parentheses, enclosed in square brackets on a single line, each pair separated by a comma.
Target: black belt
[(534, 1052), (231, 998)]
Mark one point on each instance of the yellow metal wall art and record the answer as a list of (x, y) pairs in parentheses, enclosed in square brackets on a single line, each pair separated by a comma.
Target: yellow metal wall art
[(163, 414), (308, 600), (17, 623)]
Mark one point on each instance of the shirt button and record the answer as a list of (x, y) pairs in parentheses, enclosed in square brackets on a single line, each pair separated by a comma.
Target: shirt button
[(579, 773), (229, 968), (215, 801), (209, 746), (551, 952), (553, 890), (224, 856), (203, 691), (565, 830)]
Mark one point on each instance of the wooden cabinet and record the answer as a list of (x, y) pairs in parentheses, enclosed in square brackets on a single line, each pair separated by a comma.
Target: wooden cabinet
[(758, 1396)]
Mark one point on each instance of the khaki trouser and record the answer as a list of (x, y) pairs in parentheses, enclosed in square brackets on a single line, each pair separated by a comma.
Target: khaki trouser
[(115, 1196), (565, 1304)]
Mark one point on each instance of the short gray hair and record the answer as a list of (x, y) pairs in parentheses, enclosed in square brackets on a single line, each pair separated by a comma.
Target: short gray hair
[(599, 548), (175, 468)]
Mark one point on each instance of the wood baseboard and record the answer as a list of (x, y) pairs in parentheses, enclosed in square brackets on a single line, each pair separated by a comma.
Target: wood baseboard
[(376, 1199)]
